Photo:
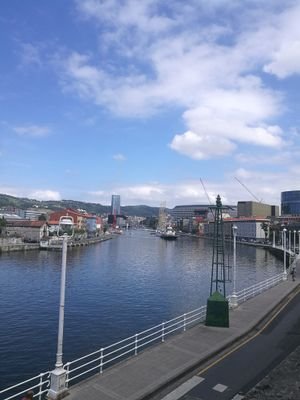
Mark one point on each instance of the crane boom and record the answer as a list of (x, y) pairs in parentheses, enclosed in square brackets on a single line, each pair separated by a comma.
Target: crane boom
[(249, 191), (205, 191)]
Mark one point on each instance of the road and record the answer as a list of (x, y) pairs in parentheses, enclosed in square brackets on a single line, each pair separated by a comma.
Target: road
[(231, 375)]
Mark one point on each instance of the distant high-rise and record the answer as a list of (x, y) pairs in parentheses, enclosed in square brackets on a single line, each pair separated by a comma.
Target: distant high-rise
[(115, 204)]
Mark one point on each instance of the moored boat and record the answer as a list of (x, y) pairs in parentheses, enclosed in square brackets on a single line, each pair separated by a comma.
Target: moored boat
[(169, 234)]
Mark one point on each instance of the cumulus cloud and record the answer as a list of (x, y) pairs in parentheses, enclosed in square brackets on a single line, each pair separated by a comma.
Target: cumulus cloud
[(212, 71), (44, 195), (32, 130)]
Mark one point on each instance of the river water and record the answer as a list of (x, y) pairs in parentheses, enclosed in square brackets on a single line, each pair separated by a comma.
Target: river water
[(114, 289)]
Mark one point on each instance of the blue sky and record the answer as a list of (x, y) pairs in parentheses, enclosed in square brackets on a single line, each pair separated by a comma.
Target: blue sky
[(144, 98)]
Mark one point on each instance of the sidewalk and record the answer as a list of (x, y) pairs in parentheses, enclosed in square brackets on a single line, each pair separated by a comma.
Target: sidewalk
[(164, 363)]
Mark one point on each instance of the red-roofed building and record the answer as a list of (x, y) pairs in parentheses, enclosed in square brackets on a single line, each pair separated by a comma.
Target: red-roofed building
[(78, 218)]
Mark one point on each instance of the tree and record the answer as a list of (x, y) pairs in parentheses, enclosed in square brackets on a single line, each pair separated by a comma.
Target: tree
[(265, 228), (2, 224)]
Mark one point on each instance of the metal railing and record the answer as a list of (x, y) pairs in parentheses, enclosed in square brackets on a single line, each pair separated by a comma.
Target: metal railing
[(38, 384), (98, 360), (258, 288)]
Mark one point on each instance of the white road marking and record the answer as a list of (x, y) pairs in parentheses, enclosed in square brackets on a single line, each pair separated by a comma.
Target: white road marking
[(184, 388), (238, 397), (220, 388)]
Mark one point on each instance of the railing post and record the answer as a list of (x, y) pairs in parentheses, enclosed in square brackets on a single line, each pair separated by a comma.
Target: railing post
[(136, 344), (40, 386), (163, 332), (184, 322), (67, 373), (101, 361)]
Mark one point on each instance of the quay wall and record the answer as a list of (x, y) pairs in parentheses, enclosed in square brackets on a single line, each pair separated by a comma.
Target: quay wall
[(16, 244)]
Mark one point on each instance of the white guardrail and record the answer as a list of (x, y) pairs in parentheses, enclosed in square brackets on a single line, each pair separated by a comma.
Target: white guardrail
[(38, 384), (257, 288), (97, 361)]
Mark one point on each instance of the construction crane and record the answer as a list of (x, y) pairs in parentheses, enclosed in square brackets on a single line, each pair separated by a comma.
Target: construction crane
[(205, 191), (249, 191)]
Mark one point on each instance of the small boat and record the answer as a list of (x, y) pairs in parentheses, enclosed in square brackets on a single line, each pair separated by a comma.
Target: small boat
[(169, 234)]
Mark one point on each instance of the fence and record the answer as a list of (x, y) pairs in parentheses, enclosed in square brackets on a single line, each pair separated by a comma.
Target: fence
[(258, 288), (101, 358), (97, 361), (40, 382)]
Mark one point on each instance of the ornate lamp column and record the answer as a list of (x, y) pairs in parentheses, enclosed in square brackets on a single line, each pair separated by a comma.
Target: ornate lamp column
[(284, 255), (233, 298), (58, 387)]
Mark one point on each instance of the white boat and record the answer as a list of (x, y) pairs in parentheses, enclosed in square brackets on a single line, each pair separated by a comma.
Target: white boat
[(169, 234)]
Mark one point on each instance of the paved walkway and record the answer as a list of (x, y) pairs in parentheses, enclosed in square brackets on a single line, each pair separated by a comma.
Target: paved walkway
[(154, 368)]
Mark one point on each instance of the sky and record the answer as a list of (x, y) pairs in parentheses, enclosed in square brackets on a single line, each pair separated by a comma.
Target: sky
[(146, 98)]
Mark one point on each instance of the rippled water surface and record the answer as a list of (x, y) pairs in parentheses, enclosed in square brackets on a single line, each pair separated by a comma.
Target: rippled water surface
[(114, 289)]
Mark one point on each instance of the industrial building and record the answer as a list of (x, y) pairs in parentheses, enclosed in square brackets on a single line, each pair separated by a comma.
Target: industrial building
[(256, 209), (196, 210)]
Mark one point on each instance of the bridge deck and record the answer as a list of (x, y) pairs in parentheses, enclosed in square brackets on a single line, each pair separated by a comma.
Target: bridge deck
[(156, 367)]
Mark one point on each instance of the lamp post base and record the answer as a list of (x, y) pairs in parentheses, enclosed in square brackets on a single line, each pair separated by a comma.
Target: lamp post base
[(284, 276), (58, 388), (233, 301)]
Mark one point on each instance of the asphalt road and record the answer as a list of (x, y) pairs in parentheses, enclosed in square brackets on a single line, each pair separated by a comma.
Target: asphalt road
[(237, 372)]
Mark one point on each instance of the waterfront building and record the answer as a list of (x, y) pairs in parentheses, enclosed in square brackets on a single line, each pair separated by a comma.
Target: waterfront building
[(247, 228), (32, 231), (79, 219), (256, 209), (290, 202), (191, 218), (201, 211)]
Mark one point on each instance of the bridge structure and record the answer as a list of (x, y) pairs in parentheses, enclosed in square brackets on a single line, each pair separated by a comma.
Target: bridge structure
[(148, 361)]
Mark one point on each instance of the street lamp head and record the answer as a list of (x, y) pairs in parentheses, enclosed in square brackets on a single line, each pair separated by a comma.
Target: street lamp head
[(234, 229), (284, 230)]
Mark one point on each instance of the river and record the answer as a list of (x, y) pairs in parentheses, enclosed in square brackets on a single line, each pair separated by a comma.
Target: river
[(114, 289)]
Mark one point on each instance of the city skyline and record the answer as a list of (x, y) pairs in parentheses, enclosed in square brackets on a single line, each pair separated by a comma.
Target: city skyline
[(144, 99)]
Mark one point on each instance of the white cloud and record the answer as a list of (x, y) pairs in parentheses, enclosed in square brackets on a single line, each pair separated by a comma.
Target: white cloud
[(32, 130), (284, 58), (119, 157), (200, 146), (44, 195), (211, 70)]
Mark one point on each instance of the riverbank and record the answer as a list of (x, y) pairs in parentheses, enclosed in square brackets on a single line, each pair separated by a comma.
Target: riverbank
[(16, 244)]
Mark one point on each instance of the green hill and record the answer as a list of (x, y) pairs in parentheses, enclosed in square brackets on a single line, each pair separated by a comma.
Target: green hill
[(93, 208)]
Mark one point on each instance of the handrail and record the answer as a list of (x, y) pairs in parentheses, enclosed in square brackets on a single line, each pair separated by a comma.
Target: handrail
[(133, 344), (42, 384), (130, 346), (98, 359), (257, 288)]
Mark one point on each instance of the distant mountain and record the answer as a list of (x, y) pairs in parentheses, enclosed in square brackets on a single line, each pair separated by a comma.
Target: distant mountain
[(93, 208)]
